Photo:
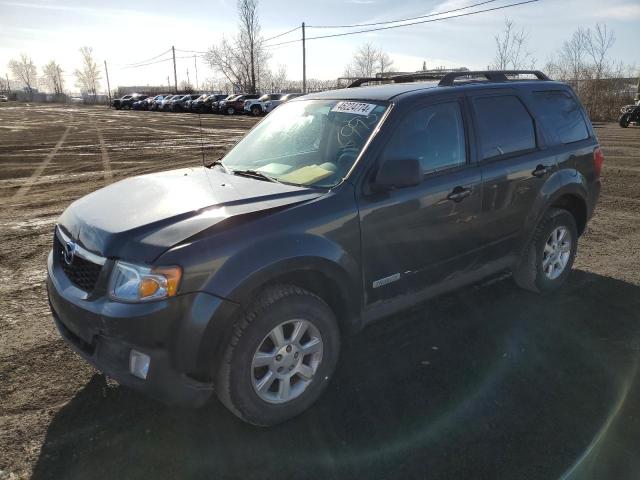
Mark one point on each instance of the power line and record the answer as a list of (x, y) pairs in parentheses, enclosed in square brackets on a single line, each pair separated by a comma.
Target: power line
[(408, 24), (403, 19), (282, 34), (160, 61), (148, 59)]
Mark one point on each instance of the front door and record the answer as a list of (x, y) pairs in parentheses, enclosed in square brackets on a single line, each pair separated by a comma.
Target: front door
[(417, 236)]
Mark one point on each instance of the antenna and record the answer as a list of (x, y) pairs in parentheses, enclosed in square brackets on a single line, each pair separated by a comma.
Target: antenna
[(201, 138)]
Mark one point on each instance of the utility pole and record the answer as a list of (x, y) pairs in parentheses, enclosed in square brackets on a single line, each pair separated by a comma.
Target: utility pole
[(304, 62), (175, 74), (8, 84), (168, 82), (195, 64), (106, 71), (188, 80)]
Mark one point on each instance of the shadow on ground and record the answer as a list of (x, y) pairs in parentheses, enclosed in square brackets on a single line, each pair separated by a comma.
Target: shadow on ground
[(491, 382)]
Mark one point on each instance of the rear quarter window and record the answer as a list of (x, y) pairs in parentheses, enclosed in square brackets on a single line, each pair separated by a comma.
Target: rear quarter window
[(561, 115), (504, 126)]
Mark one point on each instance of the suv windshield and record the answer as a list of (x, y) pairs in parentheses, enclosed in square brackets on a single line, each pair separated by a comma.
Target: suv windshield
[(307, 142)]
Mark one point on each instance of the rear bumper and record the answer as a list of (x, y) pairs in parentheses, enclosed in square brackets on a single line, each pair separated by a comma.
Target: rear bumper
[(171, 332)]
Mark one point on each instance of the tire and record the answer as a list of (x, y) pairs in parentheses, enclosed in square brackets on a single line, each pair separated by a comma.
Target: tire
[(625, 120), (230, 111), (256, 111), (238, 379), (127, 107), (532, 272)]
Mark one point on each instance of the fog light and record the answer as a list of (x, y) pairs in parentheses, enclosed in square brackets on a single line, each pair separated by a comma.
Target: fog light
[(139, 364)]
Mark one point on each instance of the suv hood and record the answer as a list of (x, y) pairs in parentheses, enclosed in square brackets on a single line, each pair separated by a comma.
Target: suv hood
[(139, 218)]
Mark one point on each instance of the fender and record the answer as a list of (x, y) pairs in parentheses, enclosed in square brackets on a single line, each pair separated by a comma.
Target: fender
[(250, 268), (562, 182)]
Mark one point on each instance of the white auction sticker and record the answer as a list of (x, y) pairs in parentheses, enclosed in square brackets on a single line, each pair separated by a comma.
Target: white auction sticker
[(354, 107)]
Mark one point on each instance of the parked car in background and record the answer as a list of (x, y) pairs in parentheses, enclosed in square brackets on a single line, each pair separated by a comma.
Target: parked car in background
[(163, 105), (236, 105), (127, 103), (205, 105), (186, 106), (179, 102), (191, 105), (155, 101), (257, 107), (115, 103), (3, 98), (269, 105), (217, 105)]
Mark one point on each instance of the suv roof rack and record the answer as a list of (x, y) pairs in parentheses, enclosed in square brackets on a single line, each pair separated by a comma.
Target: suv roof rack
[(491, 75), (447, 79), (411, 77)]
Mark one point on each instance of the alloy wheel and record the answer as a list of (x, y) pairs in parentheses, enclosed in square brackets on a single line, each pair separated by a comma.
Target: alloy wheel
[(286, 360), (557, 251)]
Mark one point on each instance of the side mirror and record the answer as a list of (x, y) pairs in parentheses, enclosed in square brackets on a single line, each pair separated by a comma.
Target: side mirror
[(398, 173)]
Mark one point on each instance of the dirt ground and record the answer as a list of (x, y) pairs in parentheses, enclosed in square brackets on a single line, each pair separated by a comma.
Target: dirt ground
[(490, 382)]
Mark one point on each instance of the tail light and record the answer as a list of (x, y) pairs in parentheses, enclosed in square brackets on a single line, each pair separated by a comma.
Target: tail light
[(598, 158)]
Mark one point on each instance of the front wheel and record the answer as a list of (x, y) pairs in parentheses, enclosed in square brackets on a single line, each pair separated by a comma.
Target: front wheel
[(546, 262), (283, 351), (625, 120), (231, 110), (255, 111)]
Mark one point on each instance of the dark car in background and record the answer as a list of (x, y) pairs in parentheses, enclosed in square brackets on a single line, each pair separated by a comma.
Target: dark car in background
[(236, 104), (163, 105), (179, 102), (127, 103), (217, 105), (240, 278), (115, 103), (257, 106), (204, 105)]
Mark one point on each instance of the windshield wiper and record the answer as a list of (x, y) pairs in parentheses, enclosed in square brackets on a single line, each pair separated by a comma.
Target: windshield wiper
[(255, 174)]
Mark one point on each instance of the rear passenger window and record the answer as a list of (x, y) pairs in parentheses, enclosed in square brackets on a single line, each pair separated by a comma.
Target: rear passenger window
[(562, 116), (434, 135), (504, 126)]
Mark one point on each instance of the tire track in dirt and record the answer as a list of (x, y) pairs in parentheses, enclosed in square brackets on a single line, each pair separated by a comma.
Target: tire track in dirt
[(40, 168), (106, 164)]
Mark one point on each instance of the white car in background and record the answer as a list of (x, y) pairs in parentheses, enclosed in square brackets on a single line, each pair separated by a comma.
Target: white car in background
[(256, 106), (3, 98), (271, 104)]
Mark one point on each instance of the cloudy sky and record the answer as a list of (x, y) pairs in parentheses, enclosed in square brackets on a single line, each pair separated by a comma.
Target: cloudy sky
[(124, 32)]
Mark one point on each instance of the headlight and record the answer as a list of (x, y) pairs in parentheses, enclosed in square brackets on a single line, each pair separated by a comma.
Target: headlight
[(137, 283)]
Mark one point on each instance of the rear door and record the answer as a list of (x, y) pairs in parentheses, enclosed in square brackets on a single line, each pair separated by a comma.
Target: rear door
[(515, 165), (415, 237), (566, 131)]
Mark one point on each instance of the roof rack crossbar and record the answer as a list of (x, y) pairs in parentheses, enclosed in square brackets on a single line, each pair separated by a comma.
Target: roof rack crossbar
[(396, 79), (491, 75)]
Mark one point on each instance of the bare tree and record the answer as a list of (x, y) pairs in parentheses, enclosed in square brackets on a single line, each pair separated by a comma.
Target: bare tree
[(275, 81), (598, 43), (385, 63), (511, 49), (24, 70), (367, 61), (242, 60), (88, 78), (52, 75)]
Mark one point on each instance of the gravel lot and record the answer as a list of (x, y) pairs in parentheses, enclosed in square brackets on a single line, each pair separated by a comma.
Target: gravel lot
[(490, 382)]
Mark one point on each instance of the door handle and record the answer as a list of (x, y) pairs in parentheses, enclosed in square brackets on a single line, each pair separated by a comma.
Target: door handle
[(541, 171), (459, 193)]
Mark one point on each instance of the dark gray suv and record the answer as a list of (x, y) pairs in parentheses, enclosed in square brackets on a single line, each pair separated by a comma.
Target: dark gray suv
[(339, 208)]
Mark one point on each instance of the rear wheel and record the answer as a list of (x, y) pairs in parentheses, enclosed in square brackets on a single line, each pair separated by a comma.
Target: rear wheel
[(280, 358), (546, 262), (231, 110), (625, 120), (256, 110)]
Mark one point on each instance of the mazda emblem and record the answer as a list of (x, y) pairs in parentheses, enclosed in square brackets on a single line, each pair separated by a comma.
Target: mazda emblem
[(69, 252)]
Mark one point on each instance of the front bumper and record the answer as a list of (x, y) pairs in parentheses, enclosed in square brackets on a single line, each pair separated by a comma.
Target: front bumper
[(170, 332)]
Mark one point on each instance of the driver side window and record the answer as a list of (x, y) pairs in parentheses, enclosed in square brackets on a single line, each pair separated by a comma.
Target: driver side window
[(434, 135)]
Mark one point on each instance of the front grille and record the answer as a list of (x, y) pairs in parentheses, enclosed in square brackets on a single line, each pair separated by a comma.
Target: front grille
[(82, 273)]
